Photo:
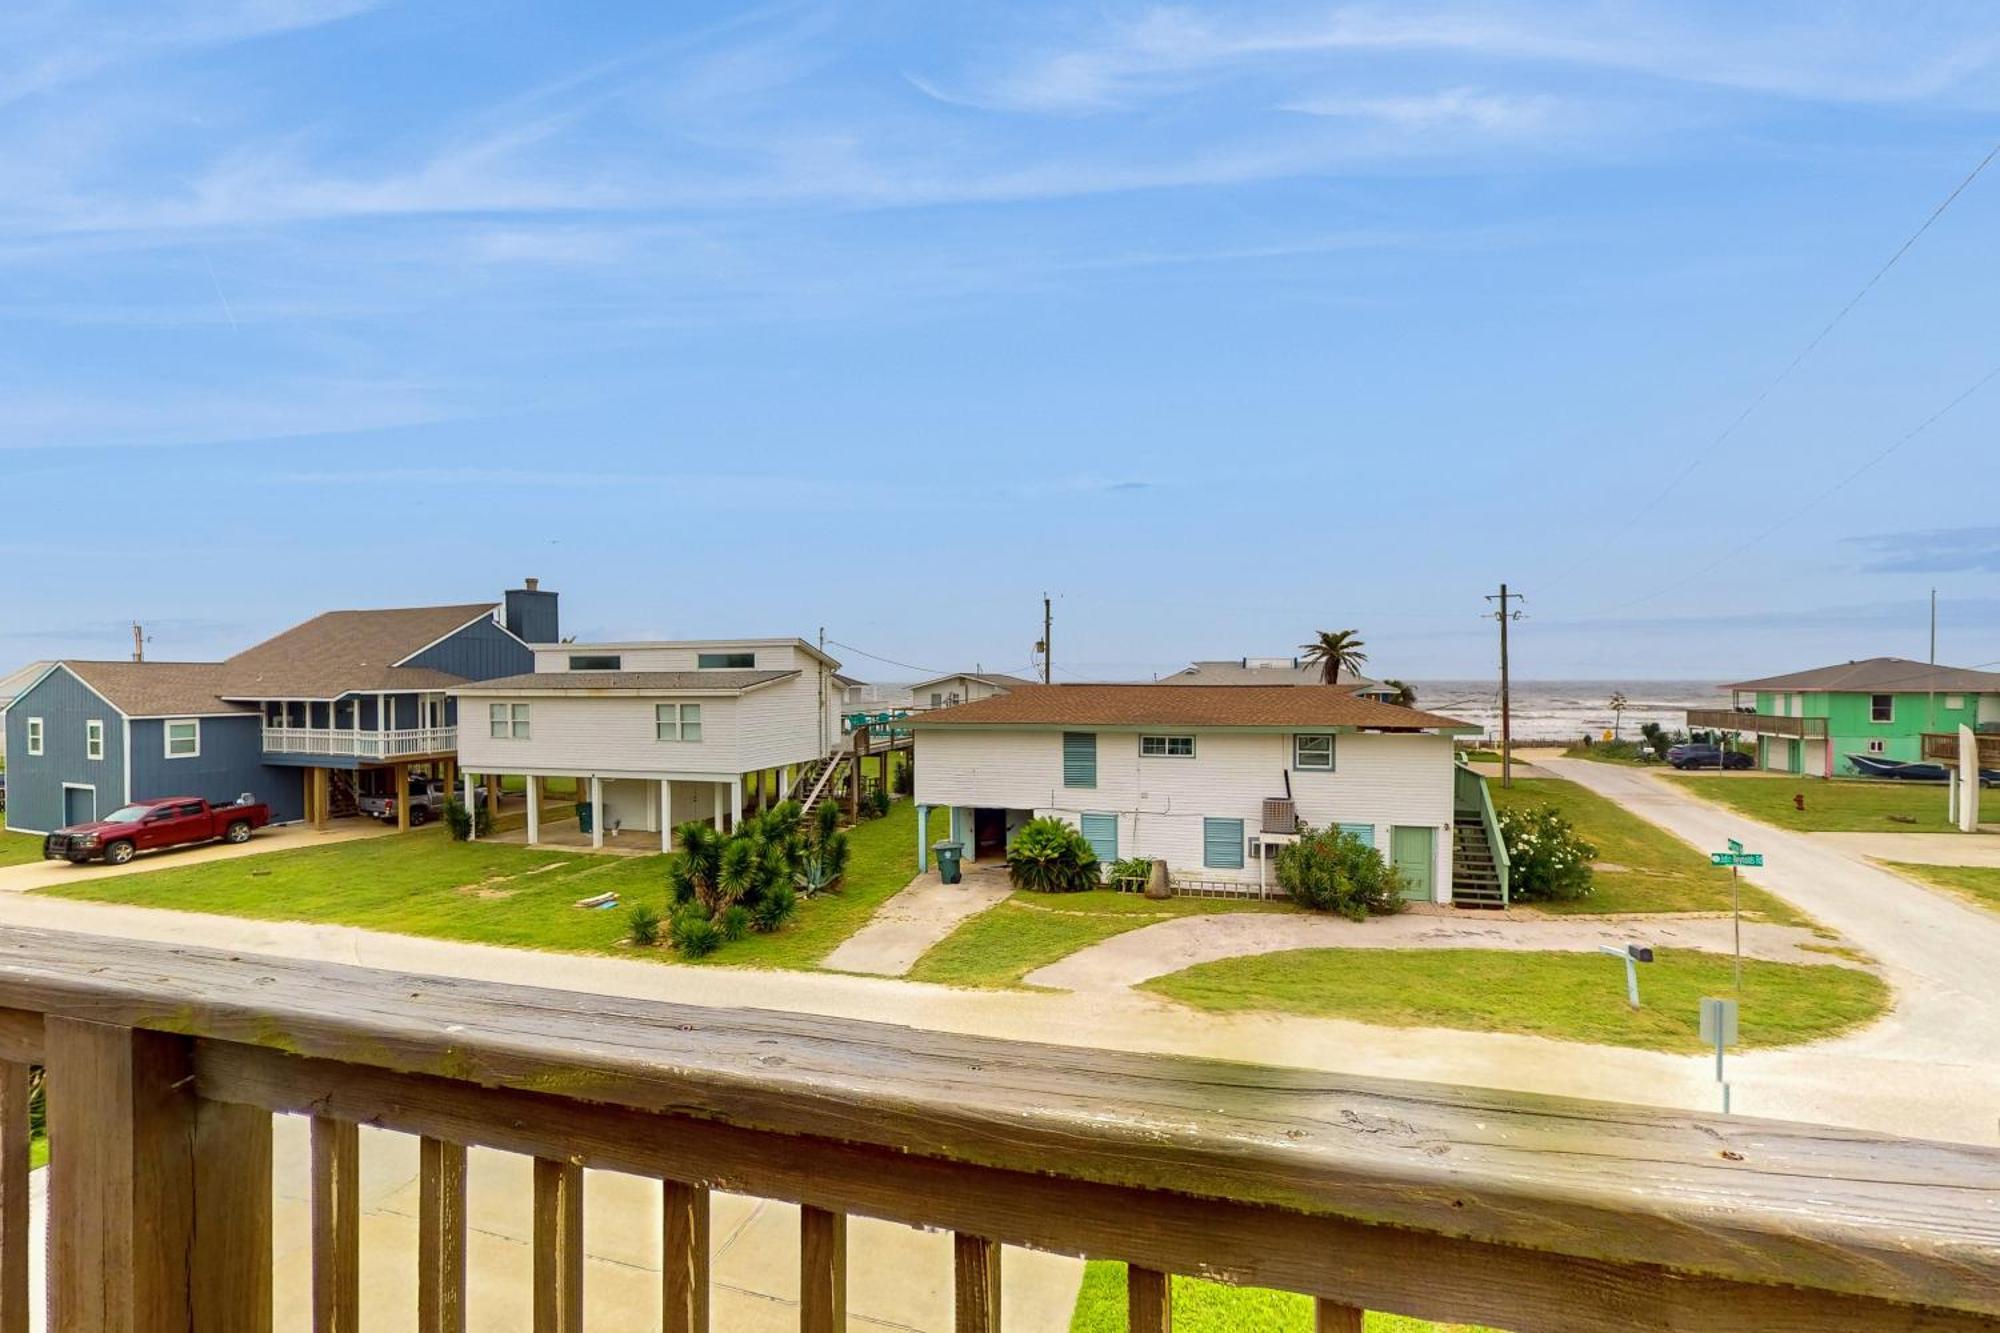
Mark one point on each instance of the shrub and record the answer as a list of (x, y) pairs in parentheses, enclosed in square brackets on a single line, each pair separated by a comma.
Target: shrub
[(1331, 871), (461, 820), (1546, 858), (774, 909), (643, 925), (734, 923), (1657, 737), (1131, 867), (906, 775), (1050, 856), (822, 859), (693, 934)]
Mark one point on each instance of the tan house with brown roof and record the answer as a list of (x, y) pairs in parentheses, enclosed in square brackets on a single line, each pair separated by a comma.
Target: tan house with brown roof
[(308, 720), (1211, 778)]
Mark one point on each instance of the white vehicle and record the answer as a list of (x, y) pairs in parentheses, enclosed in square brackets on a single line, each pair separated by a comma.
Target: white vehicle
[(427, 797)]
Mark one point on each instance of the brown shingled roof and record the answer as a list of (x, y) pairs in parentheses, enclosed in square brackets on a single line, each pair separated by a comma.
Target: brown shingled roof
[(1880, 675), (1183, 706), (156, 689), (340, 651)]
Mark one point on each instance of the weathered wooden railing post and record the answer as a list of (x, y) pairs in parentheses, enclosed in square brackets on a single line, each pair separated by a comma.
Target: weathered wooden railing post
[(15, 1135), (684, 1259), (822, 1270), (160, 1202), (1149, 1300), (976, 1278)]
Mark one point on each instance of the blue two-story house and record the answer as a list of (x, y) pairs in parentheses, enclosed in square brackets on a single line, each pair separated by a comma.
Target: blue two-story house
[(349, 701)]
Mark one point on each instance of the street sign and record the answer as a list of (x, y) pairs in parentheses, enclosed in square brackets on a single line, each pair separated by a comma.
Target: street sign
[(1735, 846), (1718, 1021), (1736, 858)]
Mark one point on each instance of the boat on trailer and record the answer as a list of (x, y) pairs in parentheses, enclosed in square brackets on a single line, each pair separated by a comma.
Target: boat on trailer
[(1874, 767)]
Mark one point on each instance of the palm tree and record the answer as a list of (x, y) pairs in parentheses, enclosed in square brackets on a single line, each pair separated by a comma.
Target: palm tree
[(1617, 713), (1406, 693), (1336, 650)]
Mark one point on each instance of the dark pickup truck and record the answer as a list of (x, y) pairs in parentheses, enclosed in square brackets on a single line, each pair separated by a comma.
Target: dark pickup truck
[(145, 826)]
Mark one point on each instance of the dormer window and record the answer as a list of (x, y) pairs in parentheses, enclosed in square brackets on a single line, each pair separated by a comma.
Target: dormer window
[(726, 661)]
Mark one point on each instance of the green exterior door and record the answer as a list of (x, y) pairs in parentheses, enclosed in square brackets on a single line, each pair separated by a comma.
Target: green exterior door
[(1413, 851), (1793, 763)]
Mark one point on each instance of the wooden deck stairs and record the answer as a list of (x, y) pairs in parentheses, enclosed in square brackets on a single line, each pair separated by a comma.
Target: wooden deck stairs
[(818, 781), (341, 800), (1475, 879)]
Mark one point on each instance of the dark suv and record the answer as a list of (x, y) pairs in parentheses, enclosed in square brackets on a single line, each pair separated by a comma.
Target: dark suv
[(1701, 754)]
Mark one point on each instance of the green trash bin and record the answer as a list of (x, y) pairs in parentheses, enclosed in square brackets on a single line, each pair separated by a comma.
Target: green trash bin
[(586, 816), (949, 856)]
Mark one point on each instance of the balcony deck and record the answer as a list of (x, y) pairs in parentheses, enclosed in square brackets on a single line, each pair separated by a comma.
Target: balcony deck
[(165, 1065), (318, 745), (1942, 747), (1756, 724)]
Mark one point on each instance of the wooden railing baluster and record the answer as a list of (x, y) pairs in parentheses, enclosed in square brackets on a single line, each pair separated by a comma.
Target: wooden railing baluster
[(440, 1237), (1333, 1317), (1149, 1300), (558, 1247), (822, 1271), (336, 1225), (14, 1136), (976, 1282), (684, 1259)]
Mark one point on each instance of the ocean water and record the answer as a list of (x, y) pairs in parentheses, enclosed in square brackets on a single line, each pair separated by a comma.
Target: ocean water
[(1564, 710)]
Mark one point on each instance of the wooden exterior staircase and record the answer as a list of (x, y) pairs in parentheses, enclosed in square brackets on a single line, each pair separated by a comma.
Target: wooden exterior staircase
[(817, 782), (1475, 879), (341, 800)]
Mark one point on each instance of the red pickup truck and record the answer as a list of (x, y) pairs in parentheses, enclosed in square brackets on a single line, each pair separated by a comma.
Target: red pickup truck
[(145, 826)]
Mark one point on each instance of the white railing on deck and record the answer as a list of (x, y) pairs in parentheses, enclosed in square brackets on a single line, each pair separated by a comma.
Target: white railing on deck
[(345, 741)]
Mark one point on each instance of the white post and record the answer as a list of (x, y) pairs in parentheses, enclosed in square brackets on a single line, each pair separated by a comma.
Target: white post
[(666, 814), (736, 802), (596, 811), (923, 839), (716, 794), (471, 808), (534, 811), (1951, 797), (1968, 779)]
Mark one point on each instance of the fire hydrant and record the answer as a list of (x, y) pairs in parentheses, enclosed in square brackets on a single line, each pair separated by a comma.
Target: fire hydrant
[(1798, 800)]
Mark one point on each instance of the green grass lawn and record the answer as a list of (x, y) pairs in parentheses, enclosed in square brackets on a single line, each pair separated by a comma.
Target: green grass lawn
[(422, 883), (38, 1152), (1029, 930), (1567, 996), (1834, 805), (1210, 1307), (1980, 884), (19, 848), (1656, 872)]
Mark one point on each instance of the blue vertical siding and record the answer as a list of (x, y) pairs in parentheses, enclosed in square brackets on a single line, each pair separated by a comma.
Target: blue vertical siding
[(35, 782), (480, 651), (231, 762)]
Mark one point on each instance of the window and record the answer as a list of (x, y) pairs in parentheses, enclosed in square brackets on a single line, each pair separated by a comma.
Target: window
[(507, 721), (1309, 751), (1882, 708), (34, 735), (1167, 747), (595, 661), (1954, 701), (1079, 751), (93, 739), (183, 738), (725, 661), (1222, 844), (677, 722), (1876, 747), (937, 698)]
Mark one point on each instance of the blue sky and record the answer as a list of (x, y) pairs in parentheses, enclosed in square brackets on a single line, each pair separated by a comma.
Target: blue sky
[(1219, 323)]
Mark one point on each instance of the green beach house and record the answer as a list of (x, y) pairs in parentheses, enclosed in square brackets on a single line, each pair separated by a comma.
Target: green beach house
[(1810, 722)]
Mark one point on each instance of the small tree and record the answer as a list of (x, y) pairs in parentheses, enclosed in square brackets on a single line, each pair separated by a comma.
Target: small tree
[(1406, 693), (1049, 855), (1657, 737), (822, 860), (463, 821), (1331, 871), (1618, 707)]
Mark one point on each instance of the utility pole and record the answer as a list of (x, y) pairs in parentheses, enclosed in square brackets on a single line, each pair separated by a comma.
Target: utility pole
[(139, 643), (1047, 625), (1503, 615)]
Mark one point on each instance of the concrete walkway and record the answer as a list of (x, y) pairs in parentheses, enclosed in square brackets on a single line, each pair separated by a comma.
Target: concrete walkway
[(284, 838), (903, 928), (1153, 951), (1924, 849)]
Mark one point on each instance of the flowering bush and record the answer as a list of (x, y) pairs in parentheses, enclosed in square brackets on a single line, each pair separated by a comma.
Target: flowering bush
[(1331, 871), (1546, 858)]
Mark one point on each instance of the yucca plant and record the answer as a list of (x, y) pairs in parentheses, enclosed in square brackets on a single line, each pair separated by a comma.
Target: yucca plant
[(1049, 855)]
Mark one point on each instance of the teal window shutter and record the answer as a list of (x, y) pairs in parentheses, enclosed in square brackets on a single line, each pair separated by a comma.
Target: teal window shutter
[(1079, 759), (1222, 844), (1101, 832), (1365, 832)]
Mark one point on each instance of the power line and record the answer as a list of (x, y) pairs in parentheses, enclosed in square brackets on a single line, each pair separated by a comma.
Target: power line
[(1816, 500), (877, 657), (1756, 402)]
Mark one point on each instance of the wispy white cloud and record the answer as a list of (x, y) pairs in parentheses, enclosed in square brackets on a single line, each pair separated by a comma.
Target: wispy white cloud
[(1447, 109), (284, 410)]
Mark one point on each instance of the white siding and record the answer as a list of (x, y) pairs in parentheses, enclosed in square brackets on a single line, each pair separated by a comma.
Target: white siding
[(968, 690), (1379, 779), (601, 734), (1989, 710), (675, 656)]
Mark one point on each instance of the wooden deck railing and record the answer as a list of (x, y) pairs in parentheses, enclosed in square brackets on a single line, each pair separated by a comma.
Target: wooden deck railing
[(1764, 724), (1943, 747), (165, 1065)]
